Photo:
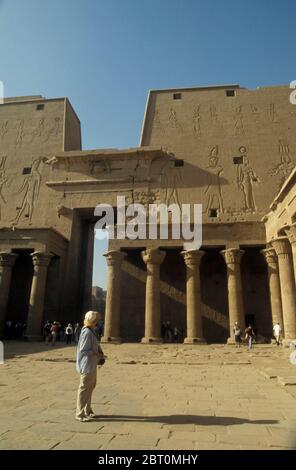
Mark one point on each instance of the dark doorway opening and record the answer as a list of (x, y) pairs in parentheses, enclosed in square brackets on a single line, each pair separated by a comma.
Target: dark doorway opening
[(213, 287), (132, 299), (256, 292), (21, 280), (173, 296)]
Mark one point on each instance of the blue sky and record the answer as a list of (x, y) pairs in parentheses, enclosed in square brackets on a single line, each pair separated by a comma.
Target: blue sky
[(106, 54)]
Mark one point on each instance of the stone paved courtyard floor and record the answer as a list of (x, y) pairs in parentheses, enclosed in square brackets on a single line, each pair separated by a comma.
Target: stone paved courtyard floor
[(150, 397)]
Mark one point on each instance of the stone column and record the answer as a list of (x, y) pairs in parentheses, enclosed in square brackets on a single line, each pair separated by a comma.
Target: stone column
[(35, 316), (233, 258), (274, 286), (284, 252), (7, 261), (153, 259), (291, 234), (193, 301), (112, 314)]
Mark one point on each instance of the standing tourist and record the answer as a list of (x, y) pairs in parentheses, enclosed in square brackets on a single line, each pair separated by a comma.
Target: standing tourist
[(54, 332), (89, 356), (69, 333), (277, 331), (250, 336), (237, 334)]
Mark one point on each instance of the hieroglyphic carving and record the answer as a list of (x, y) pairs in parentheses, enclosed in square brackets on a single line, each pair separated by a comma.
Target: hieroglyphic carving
[(55, 129), (20, 133), (38, 131), (3, 180), (286, 164), (145, 197), (273, 116), (213, 114), (30, 190), (142, 170), (156, 122), (213, 190), (173, 120), (214, 118), (238, 121), (255, 112), (99, 166), (246, 178), (196, 121), (171, 176), (3, 129)]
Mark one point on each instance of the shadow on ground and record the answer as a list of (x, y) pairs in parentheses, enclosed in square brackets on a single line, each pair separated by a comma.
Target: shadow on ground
[(23, 348), (186, 419)]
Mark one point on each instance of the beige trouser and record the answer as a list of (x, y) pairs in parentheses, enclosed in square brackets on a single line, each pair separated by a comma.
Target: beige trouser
[(86, 387)]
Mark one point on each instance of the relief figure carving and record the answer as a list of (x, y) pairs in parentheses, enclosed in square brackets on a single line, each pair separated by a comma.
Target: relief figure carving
[(273, 113), (196, 121), (238, 121), (29, 190), (246, 178), (286, 164), (38, 131), (3, 129), (171, 176), (173, 120), (213, 190)]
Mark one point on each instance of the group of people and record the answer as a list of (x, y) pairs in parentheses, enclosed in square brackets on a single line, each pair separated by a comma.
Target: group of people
[(14, 330), (171, 334), (250, 336), (55, 331)]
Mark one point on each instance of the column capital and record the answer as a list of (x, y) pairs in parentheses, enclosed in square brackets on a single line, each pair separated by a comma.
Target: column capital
[(41, 258), (290, 231), (153, 256), (7, 259), (270, 256), (281, 245), (192, 257), (232, 255), (114, 257)]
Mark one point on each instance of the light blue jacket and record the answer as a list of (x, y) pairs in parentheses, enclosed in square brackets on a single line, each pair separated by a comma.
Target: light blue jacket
[(87, 349)]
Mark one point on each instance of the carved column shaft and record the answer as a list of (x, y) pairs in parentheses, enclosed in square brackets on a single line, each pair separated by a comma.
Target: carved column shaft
[(291, 234), (7, 261), (35, 316), (284, 253), (152, 258), (193, 301), (274, 286), (232, 258), (112, 314)]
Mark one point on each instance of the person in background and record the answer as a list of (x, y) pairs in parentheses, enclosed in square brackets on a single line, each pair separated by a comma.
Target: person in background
[(169, 332), (277, 331), (250, 336), (47, 332), (237, 334), (89, 355), (54, 332), (176, 334), (69, 333)]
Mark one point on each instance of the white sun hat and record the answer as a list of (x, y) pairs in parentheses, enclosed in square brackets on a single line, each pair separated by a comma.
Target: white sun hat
[(91, 316)]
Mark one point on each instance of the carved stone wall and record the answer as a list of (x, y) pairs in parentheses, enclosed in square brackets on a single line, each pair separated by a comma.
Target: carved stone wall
[(238, 145)]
